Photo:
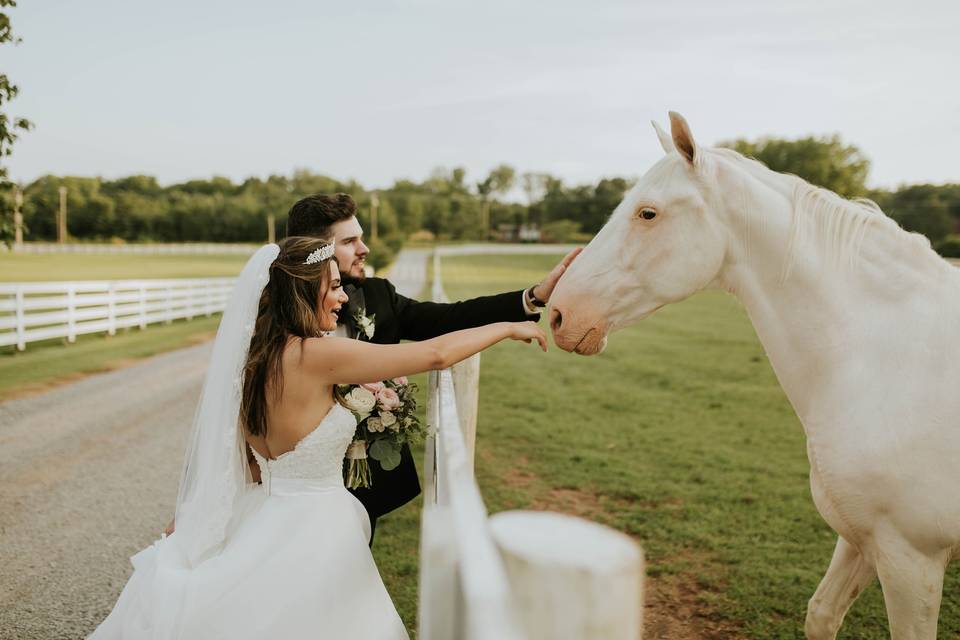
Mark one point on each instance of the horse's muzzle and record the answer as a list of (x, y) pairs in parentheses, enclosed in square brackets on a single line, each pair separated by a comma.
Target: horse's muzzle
[(577, 337)]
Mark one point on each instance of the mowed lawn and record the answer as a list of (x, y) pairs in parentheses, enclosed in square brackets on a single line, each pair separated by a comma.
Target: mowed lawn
[(52, 362), (20, 267), (679, 435)]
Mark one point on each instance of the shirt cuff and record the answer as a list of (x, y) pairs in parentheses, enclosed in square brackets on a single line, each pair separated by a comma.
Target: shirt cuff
[(526, 305)]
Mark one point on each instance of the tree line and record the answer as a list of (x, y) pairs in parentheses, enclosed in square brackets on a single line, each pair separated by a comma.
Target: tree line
[(445, 206), (930, 209)]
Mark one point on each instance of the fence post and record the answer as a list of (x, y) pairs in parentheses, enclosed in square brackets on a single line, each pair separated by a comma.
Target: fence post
[(208, 306), (112, 309), (143, 306), (192, 290), (571, 579), (466, 385), (168, 305), (21, 324), (430, 453), (71, 314)]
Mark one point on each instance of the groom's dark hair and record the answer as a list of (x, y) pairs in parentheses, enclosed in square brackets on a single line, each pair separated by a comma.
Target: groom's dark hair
[(314, 215)]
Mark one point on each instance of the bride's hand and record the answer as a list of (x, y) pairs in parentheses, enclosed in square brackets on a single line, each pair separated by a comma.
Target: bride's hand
[(528, 332)]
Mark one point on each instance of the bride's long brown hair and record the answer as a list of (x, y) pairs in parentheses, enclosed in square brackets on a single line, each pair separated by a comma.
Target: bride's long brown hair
[(288, 307)]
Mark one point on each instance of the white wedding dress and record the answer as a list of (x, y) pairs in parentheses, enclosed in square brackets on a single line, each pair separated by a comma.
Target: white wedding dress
[(296, 562)]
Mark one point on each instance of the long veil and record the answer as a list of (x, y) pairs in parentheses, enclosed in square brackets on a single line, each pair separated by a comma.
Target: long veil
[(215, 466)]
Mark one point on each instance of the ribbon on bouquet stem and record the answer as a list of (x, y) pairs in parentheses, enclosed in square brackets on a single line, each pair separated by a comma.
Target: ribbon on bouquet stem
[(358, 470)]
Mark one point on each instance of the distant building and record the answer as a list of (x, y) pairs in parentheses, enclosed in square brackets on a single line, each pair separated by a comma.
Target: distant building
[(513, 233)]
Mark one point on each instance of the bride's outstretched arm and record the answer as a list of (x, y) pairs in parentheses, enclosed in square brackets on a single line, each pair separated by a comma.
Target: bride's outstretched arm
[(346, 361)]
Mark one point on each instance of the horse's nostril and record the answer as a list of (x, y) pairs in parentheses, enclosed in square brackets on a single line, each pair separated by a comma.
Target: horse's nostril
[(556, 319)]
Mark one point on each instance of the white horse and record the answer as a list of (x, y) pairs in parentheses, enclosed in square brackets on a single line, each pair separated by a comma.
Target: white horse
[(861, 322)]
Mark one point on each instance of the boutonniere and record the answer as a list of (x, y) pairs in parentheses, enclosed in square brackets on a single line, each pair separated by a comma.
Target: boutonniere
[(365, 324)]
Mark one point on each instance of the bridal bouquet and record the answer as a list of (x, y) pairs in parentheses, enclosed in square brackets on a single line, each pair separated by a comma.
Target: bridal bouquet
[(386, 420)]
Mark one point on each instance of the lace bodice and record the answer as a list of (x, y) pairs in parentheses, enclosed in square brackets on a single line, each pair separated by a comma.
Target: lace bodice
[(318, 456)]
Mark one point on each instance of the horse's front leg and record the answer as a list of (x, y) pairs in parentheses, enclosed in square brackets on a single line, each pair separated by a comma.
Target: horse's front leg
[(912, 588), (847, 576)]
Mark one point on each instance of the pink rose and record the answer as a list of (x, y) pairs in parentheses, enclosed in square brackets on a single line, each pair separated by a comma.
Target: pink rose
[(401, 381), (388, 399), (373, 387)]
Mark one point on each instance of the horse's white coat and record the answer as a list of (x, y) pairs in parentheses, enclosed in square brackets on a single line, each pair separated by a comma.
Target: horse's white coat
[(861, 322)]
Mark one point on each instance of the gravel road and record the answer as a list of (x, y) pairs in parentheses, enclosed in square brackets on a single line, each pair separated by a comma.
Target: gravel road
[(88, 476)]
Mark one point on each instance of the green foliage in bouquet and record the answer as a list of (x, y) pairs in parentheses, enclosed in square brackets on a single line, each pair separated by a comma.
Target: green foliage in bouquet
[(386, 420)]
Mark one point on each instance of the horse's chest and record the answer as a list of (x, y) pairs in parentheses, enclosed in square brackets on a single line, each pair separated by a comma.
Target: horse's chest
[(905, 480)]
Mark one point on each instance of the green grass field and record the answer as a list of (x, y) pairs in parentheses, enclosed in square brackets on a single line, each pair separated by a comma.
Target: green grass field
[(679, 435), (18, 267)]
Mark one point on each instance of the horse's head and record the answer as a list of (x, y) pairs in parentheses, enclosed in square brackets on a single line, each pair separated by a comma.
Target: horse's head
[(662, 243)]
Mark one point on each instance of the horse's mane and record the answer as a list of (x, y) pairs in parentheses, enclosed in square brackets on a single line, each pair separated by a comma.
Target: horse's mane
[(838, 225)]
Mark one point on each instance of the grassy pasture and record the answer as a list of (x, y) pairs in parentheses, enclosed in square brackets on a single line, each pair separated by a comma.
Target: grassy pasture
[(679, 435), (20, 267)]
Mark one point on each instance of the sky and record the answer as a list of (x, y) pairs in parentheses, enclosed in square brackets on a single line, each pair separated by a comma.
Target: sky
[(377, 91)]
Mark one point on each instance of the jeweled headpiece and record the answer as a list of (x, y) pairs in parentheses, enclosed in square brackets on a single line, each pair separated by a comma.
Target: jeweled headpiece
[(319, 255)]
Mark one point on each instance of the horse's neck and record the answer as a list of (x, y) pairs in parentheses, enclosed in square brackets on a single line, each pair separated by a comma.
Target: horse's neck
[(816, 325)]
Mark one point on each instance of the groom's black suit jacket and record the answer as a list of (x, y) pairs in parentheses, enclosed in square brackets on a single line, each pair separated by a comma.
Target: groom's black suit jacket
[(399, 318)]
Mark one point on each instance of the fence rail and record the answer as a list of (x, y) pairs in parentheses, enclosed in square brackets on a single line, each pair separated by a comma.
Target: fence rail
[(518, 575), (504, 249), (33, 311)]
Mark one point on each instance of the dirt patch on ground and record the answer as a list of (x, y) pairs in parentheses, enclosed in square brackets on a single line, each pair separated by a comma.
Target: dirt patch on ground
[(34, 388), (675, 604), (203, 336), (675, 608)]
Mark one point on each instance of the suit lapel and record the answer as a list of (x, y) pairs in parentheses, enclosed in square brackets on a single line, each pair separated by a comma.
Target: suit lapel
[(355, 305)]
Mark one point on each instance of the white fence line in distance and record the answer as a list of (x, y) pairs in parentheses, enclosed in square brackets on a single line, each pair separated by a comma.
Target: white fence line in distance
[(503, 249), (519, 575), (185, 248), (33, 311)]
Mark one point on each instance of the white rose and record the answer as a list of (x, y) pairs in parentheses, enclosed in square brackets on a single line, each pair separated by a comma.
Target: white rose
[(387, 418), (375, 425), (360, 401), (367, 327)]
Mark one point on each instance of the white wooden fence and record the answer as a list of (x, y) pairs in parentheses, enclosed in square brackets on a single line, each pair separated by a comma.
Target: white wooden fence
[(32, 311), (518, 575), (504, 249)]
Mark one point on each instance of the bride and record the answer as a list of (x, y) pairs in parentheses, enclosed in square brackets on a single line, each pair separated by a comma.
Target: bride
[(288, 557)]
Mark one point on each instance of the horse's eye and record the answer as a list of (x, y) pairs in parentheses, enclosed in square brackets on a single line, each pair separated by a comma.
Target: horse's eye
[(648, 214)]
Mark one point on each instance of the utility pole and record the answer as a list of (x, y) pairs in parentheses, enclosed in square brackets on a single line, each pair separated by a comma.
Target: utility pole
[(18, 217), (62, 217), (271, 229), (485, 220), (374, 204)]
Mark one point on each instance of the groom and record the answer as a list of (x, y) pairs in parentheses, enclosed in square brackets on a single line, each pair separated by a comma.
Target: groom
[(399, 318)]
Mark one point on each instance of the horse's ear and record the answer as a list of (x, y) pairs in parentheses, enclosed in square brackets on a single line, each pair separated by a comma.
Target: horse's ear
[(665, 140), (682, 138)]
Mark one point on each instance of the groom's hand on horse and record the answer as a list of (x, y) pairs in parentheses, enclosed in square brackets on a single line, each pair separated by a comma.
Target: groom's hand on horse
[(544, 290)]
